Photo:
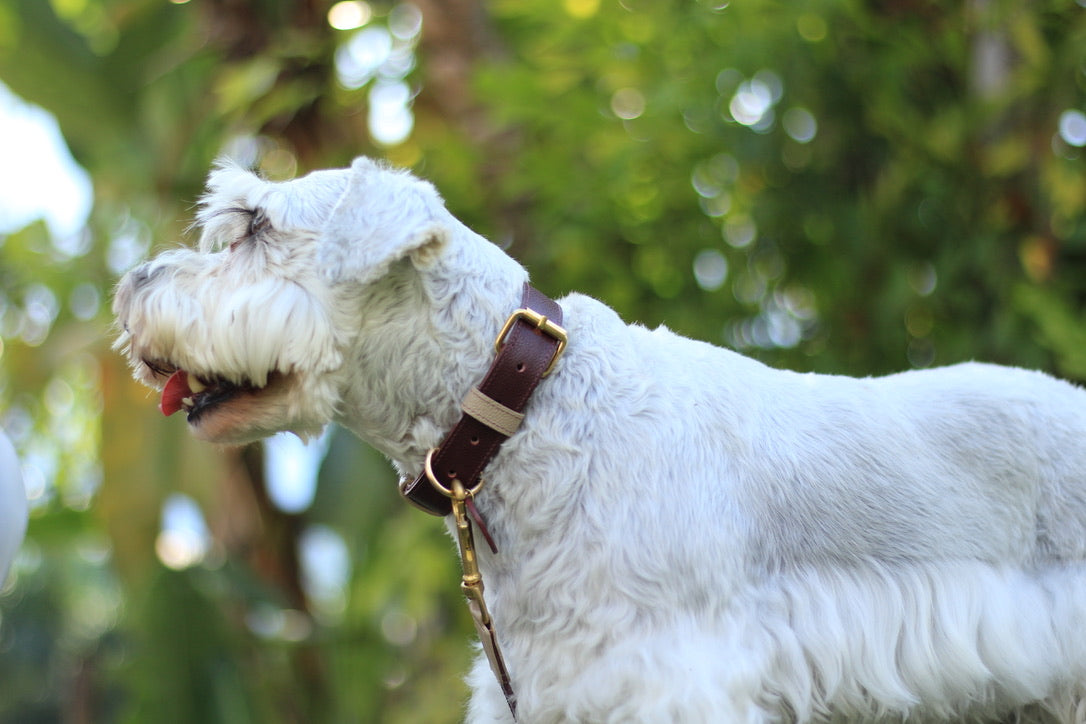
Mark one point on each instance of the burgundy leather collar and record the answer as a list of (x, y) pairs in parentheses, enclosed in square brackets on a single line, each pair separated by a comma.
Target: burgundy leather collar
[(527, 349)]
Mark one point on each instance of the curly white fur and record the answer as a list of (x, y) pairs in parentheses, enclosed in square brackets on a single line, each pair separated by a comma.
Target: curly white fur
[(686, 535)]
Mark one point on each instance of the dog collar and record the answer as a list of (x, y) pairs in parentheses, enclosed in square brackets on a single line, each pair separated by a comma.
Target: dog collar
[(528, 347)]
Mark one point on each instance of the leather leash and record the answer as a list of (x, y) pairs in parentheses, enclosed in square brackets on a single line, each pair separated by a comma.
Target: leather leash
[(527, 347)]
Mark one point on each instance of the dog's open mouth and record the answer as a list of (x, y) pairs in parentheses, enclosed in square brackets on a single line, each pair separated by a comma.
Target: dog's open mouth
[(196, 394)]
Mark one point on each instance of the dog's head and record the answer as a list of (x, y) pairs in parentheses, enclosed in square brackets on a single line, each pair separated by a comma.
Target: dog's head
[(249, 333)]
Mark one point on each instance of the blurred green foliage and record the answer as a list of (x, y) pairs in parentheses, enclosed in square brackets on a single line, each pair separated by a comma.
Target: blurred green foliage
[(846, 186)]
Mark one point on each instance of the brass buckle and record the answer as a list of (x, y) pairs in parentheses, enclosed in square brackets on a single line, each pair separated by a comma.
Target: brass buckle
[(543, 325)]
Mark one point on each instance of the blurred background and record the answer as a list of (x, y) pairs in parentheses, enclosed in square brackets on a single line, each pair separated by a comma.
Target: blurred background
[(854, 187)]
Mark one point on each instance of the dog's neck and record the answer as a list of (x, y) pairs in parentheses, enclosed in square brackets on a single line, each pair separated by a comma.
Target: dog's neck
[(427, 336)]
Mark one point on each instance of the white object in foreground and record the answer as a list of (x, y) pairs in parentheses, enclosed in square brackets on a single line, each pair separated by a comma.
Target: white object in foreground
[(12, 505)]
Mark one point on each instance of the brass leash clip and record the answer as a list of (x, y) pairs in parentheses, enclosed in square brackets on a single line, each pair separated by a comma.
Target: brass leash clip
[(472, 581)]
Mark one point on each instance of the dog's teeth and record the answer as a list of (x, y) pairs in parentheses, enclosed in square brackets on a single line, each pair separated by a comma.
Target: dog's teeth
[(187, 401), (196, 385)]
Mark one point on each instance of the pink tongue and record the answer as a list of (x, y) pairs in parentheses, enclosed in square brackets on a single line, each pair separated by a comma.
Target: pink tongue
[(176, 389)]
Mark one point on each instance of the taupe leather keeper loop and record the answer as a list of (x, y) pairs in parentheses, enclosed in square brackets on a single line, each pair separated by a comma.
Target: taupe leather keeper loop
[(526, 354), (491, 413)]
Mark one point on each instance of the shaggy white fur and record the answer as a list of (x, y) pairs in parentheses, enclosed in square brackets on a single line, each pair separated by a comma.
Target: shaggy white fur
[(686, 535)]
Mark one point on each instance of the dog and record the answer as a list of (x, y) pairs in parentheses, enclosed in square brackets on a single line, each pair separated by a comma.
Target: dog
[(684, 534)]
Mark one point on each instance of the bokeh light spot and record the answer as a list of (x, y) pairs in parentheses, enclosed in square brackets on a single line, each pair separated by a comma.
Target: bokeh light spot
[(349, 14), (1073, 128), (710, 269), (628, 103), (800, 124), (811, 27)]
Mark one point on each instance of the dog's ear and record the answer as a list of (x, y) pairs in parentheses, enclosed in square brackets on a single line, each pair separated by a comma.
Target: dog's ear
[(383, 216)]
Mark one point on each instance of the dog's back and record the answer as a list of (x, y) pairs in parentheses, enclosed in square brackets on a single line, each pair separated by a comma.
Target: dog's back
[(820, 545)]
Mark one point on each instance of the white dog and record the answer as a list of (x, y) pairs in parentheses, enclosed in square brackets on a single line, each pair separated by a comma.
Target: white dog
[(684, 534)]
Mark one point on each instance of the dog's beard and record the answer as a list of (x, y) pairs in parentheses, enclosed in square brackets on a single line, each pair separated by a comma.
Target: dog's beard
[(241, 363)]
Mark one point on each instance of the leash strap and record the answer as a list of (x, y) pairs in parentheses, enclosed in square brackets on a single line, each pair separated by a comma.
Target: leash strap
[(472, 586), (527, 349)]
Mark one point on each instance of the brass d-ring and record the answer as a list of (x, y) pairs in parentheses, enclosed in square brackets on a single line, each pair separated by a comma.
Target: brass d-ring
[(458, 491)]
